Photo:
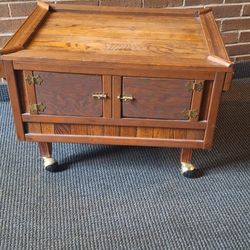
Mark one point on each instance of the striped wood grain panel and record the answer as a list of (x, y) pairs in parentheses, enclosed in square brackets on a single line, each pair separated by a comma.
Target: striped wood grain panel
[(128, 131), (62, 129), (163, 133), (111, 130), (144, 132), (79, 129), (95, 130), (47, 128)]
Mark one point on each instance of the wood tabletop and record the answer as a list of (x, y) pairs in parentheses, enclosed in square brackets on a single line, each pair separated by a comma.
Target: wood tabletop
[(159, 37)]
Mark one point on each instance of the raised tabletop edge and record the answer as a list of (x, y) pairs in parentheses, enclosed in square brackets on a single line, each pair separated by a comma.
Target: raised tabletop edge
[(217, 49), (16, 45), (25, 31), (127, 10)]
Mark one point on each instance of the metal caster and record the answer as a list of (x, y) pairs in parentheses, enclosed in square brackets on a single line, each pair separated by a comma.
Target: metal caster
[(51, 165), (188, 170)]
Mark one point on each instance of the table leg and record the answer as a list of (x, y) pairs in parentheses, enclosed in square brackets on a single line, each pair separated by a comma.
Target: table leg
[(187, 168), (50, 164)]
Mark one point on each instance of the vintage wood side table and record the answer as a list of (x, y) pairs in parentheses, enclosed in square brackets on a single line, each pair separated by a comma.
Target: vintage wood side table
[(124, 76)]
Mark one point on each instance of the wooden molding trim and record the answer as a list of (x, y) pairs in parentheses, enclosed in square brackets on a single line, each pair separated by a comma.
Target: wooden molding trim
[(43, 5), (204, 11), (213, 109), (216, 47), (109, 121), (14, 99), (118, 69), (125, 11), (220, 60), (115, 140), (27, 29)]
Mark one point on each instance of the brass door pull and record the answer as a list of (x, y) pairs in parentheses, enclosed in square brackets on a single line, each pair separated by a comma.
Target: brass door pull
[(125, 98), (100, 96)]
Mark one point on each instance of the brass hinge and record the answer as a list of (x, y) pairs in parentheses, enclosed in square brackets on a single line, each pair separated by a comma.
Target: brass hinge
[(190, 113), (35, 80), (195, 86), (40, 107)]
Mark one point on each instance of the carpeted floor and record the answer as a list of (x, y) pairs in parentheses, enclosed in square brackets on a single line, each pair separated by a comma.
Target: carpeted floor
[(113, 197)]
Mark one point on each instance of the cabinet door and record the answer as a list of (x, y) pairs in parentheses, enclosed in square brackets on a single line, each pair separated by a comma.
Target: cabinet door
[(68, 94), (154, 98)]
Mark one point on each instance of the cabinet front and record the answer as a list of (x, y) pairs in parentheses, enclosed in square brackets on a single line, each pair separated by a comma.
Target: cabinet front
[(66, 94), (155, 98), (112, 106)]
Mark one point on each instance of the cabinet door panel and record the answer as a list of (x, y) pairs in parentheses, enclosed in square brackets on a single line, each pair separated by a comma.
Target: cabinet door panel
[(156, 98), (69, 94)]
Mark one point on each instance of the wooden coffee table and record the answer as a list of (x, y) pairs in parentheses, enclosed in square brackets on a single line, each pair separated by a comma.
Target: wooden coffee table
[(123, 76)]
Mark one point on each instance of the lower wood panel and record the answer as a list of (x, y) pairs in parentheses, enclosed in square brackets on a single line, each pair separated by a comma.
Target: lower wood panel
[(111, 130), (195, 134), (128, 131), (95, 130), (79, 129), (101, 130), (144, 132), (62, 129), (33, 127), (163, 133), (47, 128), (180, 133)]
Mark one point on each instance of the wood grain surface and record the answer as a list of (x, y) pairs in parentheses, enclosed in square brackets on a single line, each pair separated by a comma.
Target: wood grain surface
[(155, 98), (121, 35), (169, 38), (120, 131), (70, 94), (15, 99)]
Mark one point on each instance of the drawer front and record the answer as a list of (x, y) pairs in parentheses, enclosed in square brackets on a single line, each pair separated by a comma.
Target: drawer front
[(69, 94), (155, 98)]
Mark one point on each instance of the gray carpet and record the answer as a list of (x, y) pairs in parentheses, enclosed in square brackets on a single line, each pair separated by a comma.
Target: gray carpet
[(113, 197), (242, 70)]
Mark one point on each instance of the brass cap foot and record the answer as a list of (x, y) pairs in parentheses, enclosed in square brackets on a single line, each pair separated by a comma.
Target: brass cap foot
[(188, 170), (51, 165)]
